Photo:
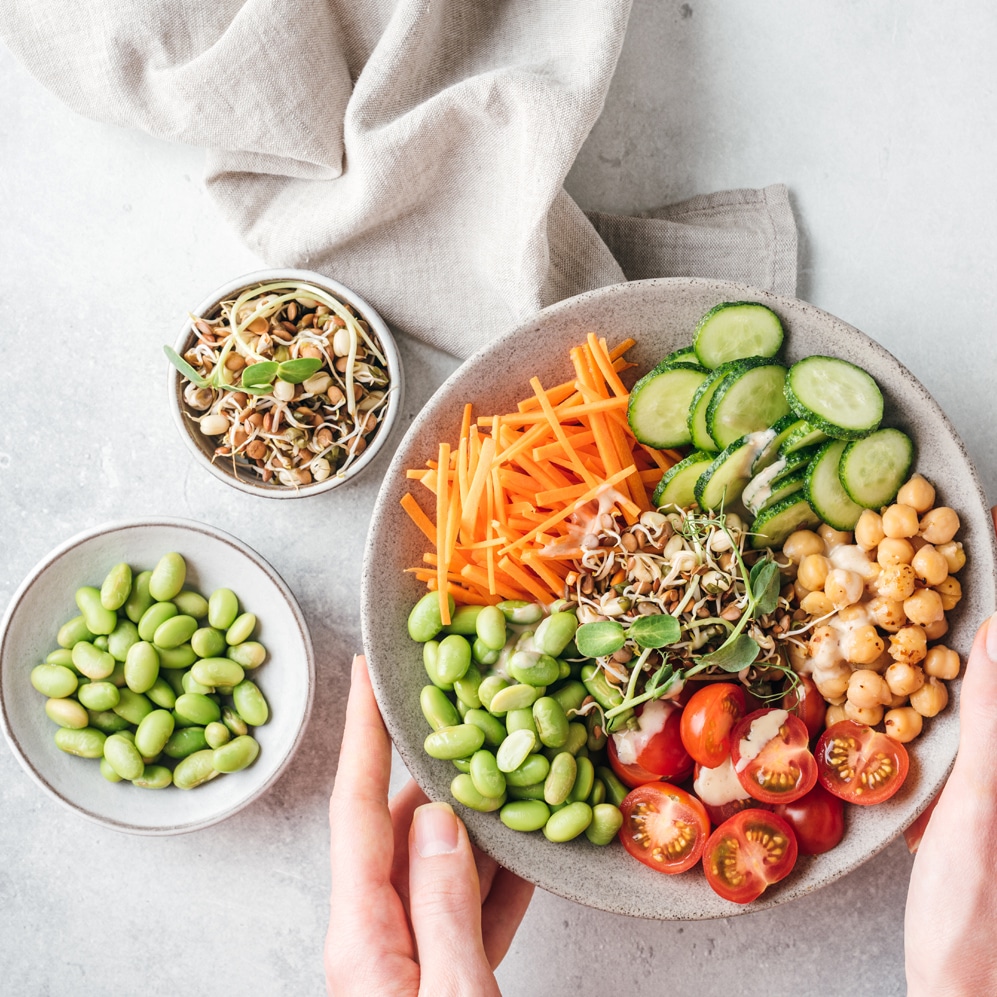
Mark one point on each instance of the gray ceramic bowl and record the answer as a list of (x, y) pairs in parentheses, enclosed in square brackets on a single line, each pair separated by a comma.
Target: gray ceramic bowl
[(246, 480), (44, 601), (660, 315)]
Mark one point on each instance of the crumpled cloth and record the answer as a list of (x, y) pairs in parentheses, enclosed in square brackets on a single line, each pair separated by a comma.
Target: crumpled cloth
[(414, 150)]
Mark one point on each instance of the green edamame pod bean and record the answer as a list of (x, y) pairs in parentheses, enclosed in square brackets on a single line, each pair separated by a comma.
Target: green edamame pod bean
[(153, 732), (190, 684), (132, 706), (461, 709), (185, 741), (191, 603), (242, 629), (234, 722), (107, 721), (560, 779), (596, 731), (605, 825), (174, 679), (248, 654), (87, 742), (520, 720), (141, 667), (99, 696), (552, 724), (175, 631), (616, 792), (72, 632), (217, 734), (533, 668), (464, 792), (117, 677), (168, 577), (60, 656), (139, 599), (162, 694), (461, 764), (463, 620), (492, 727), (490, 628), (488, 687), (116, 587), (576, 740), (176, 657), (208, 642), (533, 770), (223, 608), (437, 708), (483, 654), (605, 693), (554, 633), (584, 780), (485, 774), (199, 710), (195, 769), (66, 713), (237, 754), (91, 661), (518, 611), (514, 697), (55, 681), (535, 791), (100, 641), (156, 615), (598, 794), (123, 757), (107, 772), (466, 688), (424, 619), (515, 749), (568, 822), (121, 638), (217, 671), (563, 669), (453, 658), (459, 741), (98, 619), (525, 815), (250, 703), (430, 656), (154, 777)]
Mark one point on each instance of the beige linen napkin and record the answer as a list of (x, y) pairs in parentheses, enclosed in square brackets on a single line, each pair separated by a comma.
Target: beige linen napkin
[(414, 150)]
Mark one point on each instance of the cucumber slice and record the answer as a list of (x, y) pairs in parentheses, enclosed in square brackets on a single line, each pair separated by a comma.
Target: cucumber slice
[(795, 461), (678, 483), (873, 469), (835, 397), (758, 497), (749, 399), (721, 484), (803, 435), (658, 410), (734, 330), (687, 355), (770, 451), (776, 522), (698, 430), (824, 490)]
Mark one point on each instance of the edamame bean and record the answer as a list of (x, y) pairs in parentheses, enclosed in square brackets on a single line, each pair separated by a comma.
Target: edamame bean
[(464, 792), (237, 754), (488, 687), (515, 749), (596, 735), (424, 619), (616, 792), (535, 791), (162, 694), (463, 620), (98, 619), (107, 772), (533, 770), (139, 599), (520, 720), (190, 684), (176, 657), (234, 722), (156, 615), (132, 706), (116, 587), (199, 710), (60, 656), (250, 703), (99, 696), (514, 697), (241, 629), (141, 667), (55, 681), (525, 815), (195, 769), (584, 780), (217, 671), (605, 825), (494, 730), (123, 757), (107, 721), (552, 724), (168, 577), (191, 603), (575, 742), (154, 777), (185, 741), (483, 654), (560, 779), (554, 633), (453, 658), (217, 734), (153, 732), (91, 661), (121, 638), (208, 642), (72, 632), (490, 628), (461, 764), (598, 794), (459, 741), (518, 611), (86, 742), (437, 708), (175, 631), (248, 654), (430, 656), (100, 641), (466, 688), (66, 713), (485, 774), (568, 822), (533, 668)]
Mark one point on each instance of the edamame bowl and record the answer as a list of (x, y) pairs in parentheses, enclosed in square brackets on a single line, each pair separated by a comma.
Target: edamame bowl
[(214, 561)]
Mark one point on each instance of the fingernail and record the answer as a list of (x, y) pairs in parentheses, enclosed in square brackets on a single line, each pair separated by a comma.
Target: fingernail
[(435, 827), (358, 662), (992, 638)]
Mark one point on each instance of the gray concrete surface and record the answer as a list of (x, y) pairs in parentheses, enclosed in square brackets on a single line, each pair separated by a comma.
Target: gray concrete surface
[(878, 117)]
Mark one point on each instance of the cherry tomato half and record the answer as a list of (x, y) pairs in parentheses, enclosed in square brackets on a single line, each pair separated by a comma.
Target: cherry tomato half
[(817, 819), (664, 827), (805, 702), (713, 788), (748, 853), (769, 749), (860, 764), (657, 746), (707, 720)]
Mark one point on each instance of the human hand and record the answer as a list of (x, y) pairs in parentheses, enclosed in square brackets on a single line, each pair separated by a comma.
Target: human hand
[(415, 909)]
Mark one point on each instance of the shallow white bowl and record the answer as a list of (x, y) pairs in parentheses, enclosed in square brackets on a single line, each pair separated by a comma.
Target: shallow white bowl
[(661, 315), (44, 601)]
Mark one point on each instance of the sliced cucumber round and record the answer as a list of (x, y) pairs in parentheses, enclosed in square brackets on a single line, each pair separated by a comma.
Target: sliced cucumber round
[(802, 435), (795, 461), (825, 492), (776, 522), (776, 492), (658, 410), (734, 330), (701, 438), (678, 484), (873, 469), (770, 451), (834, 396), (747, 400), (687, 355), (721, 484)]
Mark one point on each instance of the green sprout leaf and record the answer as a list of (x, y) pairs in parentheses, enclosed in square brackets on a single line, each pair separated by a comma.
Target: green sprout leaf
[(655, 631), (296, 371), (595, 640), (184, 367), (732, 656), (661, 679), (259, 373), (765, 582)]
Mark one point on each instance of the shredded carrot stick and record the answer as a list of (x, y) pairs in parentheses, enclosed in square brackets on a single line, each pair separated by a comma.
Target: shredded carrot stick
[(418, 517)]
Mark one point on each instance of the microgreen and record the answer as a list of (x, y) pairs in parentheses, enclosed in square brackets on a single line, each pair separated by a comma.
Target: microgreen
[(596, 640), (184, 367)]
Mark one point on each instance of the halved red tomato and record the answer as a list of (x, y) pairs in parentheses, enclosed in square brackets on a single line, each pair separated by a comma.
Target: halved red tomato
[(817, 819), (805, 702), (654, 751), (664, 827), (748, 853), (721, 792), (707, 720), (771, 756), (860, 764)]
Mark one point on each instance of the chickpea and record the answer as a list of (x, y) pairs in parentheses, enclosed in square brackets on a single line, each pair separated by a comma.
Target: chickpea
[(800, 591), (918, 493), (887, 613), (942, 662), (870, 715), (904, 678), (896, 701), (867, 689), (955, 556), (924, 607), (930, 566), (834, 714), (833, 537), (900, 521), (869, 529), (862, 646), (816, 604), (894, 550), (950, 591), (882, 662), (903, 724), (797, 654), (939, 525), (801, 543), (937, 630), (909, 644), (813, 571), (833, 684), (843, 587), (896, 582), (931, 698), (823, 644)]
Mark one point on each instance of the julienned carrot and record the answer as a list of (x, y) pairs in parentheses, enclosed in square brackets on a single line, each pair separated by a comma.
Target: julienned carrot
[(517, 493)]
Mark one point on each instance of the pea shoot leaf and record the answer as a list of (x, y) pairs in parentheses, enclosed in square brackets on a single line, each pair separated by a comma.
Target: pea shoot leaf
[(661, 679), (185, 368), (296, 371), (732, 656), (595, 640), (259, 373), (765, 583), (655, 631)]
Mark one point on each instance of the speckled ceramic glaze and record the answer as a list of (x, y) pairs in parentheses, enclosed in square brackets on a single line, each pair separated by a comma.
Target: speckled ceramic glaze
[(44, 602), (661, 315)]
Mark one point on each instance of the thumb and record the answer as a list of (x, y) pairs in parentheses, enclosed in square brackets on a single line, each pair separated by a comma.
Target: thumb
[(445, 906), (978, 701)]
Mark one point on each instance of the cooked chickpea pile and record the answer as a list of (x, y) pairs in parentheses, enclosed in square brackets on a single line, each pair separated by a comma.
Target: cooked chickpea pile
[(884, 591)]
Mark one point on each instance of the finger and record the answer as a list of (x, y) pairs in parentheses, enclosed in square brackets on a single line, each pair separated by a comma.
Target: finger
[(445, 904), (993, 515), (402, 806), (978, 702), (503, 912), (914, 833)]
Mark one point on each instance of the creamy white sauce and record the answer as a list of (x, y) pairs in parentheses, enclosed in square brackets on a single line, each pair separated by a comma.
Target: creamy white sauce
[(760, 733), (630, 743), (851, 557), (718, 786), (759, 488)]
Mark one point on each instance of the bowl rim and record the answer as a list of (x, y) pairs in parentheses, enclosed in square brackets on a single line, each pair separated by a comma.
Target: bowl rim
[(112, 526), (391, 417)]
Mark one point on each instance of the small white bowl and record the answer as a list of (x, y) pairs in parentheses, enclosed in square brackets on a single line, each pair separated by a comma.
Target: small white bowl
[(44, 601), (202, 447)]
